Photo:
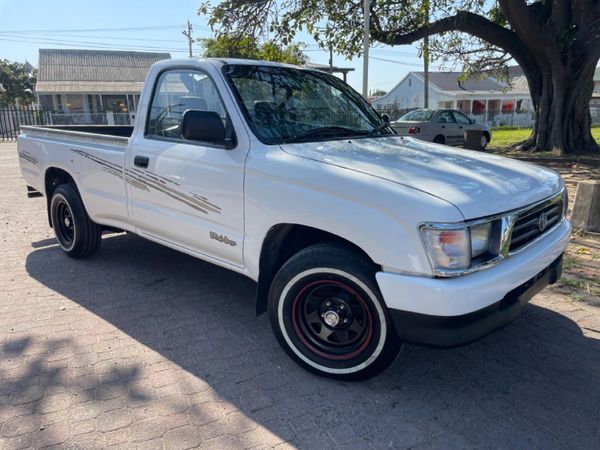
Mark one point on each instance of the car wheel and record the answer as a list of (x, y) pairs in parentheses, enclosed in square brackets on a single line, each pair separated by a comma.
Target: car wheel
[(439, 139), (328, 315), (485, 140), (75, 232)]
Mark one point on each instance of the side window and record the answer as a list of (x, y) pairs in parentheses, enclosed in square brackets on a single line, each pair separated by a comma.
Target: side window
[(461, 118), (446, 117), (176, 92)]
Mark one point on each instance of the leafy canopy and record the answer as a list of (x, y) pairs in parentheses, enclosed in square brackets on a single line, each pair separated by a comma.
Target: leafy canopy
[(247, 47), (17, 83), (333, 23)]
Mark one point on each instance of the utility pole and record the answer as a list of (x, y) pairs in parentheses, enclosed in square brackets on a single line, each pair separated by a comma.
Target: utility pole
[(330, 58), (426, 58), (367, 18), (188, 35)]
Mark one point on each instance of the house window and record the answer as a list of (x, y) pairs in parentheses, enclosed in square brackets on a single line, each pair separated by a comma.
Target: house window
[(478, 106), (409, 82), (494, 106), (91, 103), (74, 103), (464, 106), (46, 102)]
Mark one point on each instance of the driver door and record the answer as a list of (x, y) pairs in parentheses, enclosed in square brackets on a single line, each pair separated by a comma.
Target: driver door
[(187, 194), (464, 124)]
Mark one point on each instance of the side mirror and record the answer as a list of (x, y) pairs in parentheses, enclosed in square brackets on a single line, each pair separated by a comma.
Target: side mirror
[(472, 121), (204, 126), (386, 118)]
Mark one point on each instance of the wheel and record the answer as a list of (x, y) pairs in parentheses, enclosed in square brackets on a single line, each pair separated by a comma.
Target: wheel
[(439, 139), (485, 140), (76, 234), (328, 315)]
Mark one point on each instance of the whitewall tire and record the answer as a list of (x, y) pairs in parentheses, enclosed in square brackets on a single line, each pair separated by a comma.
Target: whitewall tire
[(327, 313)]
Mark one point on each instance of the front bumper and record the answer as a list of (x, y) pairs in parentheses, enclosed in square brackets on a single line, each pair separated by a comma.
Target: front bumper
[(452, 331), (468, 293)]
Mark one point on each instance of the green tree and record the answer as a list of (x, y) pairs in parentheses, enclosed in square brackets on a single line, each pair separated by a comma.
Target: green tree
[(378, 93), (247, 47), (556, 43), (17, 83), (230, 47)]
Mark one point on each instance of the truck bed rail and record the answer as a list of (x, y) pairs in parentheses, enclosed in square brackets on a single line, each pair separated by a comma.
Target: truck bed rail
[(104, 135)]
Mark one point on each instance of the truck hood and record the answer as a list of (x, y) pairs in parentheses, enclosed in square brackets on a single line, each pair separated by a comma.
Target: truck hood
[(478, 184)]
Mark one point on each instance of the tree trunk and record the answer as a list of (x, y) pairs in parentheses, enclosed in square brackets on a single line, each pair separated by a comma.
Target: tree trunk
[(560, 96)]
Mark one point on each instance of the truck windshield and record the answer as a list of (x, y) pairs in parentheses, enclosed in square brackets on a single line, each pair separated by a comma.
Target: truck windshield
[(285, 105)]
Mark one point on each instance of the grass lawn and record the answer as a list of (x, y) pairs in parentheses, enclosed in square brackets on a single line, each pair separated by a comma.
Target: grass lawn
[(503, 139)]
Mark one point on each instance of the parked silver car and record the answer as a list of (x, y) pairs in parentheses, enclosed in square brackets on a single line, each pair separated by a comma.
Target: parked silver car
[(443, 126)]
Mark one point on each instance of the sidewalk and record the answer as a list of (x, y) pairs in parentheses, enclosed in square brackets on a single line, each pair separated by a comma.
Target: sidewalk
[(144, 347)]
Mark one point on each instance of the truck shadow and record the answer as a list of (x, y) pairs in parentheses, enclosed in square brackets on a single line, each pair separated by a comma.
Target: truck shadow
[(533, 384)]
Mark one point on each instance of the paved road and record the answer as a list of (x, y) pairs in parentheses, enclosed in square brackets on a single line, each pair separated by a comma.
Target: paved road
[(141, 346)]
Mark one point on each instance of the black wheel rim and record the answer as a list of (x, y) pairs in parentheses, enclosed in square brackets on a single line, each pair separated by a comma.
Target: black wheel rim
[(332, 320), (64, 225)]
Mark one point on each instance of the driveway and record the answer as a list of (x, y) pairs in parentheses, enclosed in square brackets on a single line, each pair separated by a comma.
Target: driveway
[(141, 346)]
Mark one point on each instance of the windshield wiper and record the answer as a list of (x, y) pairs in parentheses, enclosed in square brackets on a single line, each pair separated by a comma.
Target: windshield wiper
[(379, 129), (326, 131)]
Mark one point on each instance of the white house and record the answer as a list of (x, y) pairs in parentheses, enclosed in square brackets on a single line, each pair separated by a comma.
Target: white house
[(92, 86), (486, 99)]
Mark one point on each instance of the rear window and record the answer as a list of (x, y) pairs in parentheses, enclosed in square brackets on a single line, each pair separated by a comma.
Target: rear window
[(420, 115)]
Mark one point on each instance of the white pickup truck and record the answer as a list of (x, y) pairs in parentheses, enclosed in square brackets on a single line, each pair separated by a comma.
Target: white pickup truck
[(358, 239)]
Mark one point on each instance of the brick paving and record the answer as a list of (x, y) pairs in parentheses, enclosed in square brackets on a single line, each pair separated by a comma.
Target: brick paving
[(144, 347)]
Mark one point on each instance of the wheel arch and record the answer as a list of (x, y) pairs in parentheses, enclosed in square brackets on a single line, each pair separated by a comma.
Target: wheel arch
[(439, 137), (54, 177), (281, 242)]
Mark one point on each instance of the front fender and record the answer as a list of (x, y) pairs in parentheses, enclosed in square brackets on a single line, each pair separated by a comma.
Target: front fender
[(379, 216)]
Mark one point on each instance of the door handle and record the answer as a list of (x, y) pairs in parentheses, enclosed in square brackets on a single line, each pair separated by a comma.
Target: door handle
[(141, 161), (443, 126)]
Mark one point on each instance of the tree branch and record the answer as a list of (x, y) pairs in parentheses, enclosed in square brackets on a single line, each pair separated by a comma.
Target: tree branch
[(465, 22)]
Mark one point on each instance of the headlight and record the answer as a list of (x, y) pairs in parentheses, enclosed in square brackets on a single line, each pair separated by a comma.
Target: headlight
[(453, 248), (449, 249), (480, 239)]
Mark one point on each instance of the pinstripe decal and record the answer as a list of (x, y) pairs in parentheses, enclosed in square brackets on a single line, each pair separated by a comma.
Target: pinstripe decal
[(147, 180), (28, 157)]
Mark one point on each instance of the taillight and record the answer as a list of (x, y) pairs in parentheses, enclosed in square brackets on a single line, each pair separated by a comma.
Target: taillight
[(414, 130)]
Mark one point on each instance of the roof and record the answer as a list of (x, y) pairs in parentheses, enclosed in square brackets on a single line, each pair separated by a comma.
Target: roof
[(450, 82), (91, 71), (259, 62)]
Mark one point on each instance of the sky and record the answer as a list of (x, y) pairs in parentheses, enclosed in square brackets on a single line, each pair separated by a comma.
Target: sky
[(156, 25)]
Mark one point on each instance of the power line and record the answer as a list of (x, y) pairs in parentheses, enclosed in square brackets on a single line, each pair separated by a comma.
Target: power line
[(396, 62), (94, 45), (120, 38), (94, 30)]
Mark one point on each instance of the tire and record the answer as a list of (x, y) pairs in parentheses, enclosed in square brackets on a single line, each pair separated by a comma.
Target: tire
[(75, 232), (439, 139), (327, 313), (485, 140)]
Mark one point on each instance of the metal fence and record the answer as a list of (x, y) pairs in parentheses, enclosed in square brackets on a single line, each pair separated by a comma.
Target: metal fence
[(11, 119), (512, 119)]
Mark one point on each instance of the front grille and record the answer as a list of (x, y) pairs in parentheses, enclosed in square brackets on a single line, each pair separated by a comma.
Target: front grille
[(532, 224)]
